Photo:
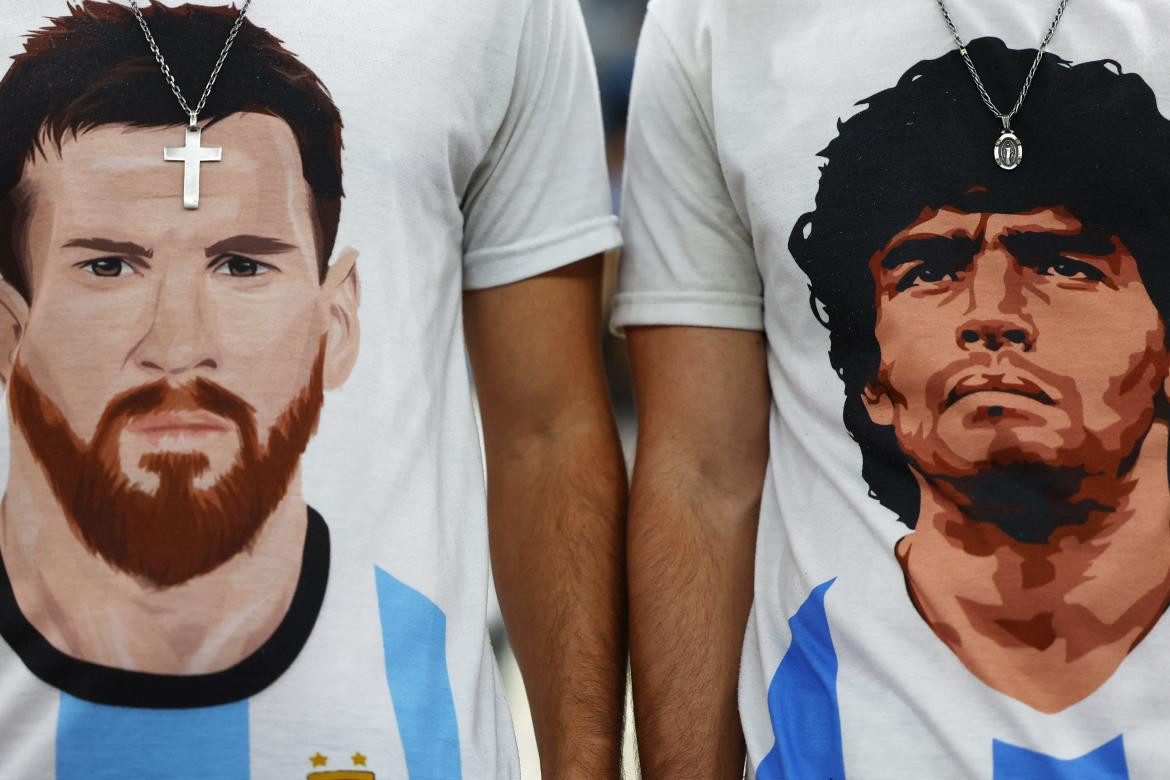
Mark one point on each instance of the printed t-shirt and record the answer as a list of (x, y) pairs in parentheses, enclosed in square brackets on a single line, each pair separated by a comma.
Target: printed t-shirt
[(244, 520), (962, 557)]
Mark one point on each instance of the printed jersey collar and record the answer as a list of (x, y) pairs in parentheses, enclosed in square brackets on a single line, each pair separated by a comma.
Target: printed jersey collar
[(123, 688)]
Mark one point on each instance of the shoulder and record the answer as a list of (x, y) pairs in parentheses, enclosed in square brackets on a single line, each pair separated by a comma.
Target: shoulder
[(688, 24), (699, 34)]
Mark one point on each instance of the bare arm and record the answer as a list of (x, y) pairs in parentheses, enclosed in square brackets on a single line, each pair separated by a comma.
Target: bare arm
[(703, 401), (556, 508)]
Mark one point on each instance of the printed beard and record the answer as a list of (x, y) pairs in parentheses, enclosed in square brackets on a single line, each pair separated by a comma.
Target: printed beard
[(1028, 501), (179, 531)]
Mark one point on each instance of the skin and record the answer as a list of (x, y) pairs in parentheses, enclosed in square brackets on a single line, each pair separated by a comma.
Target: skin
[(703, 401), (556, 508), (128, 288), (998, 351)]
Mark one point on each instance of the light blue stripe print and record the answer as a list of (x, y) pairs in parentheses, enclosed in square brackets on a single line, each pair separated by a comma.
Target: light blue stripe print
[(802, 701), (414, 640), (1015, 763), (99, 742)]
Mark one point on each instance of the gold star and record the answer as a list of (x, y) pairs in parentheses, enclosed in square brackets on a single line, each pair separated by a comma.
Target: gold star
[(359, 759), (318, 760)]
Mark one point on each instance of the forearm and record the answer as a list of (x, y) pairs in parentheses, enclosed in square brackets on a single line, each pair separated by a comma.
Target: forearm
[(690, 568), (556, 506)]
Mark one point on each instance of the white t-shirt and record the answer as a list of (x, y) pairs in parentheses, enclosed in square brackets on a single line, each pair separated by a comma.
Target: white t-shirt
[(970, 310), (472, 156)]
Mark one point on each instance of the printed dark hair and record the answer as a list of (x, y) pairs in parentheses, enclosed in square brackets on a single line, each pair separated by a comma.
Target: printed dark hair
[(1094, 143), (92, 67)]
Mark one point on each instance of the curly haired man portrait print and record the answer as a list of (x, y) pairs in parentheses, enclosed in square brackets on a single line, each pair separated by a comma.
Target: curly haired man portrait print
[(1002, 337)]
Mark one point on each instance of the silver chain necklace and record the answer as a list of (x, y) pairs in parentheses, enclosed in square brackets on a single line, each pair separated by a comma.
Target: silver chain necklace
[(191, 154), (1009, 150)]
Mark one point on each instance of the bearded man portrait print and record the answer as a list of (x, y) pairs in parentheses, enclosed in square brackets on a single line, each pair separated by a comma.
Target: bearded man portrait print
[(171, 605), (165, 367), (1002, 339)]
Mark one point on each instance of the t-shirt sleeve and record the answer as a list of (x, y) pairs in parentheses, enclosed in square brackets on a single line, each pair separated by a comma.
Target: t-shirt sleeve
[(688, 257), (540, 199)]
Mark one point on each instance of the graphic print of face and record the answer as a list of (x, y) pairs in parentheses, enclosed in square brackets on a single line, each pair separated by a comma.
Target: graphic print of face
[(1013, 340), (999, 334), (171, 363)]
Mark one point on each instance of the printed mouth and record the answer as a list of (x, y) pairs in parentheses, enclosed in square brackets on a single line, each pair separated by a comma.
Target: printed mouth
[(163, 423), (1021, 386)]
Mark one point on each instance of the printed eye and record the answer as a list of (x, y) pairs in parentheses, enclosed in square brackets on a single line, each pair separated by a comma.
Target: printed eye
[(237, 265), (1071, 269), (927, 273), (107, 266)]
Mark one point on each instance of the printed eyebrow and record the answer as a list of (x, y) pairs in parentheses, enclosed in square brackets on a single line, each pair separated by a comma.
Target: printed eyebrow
[(1045, 243), (248, 245), (128, 248), (915, 248)]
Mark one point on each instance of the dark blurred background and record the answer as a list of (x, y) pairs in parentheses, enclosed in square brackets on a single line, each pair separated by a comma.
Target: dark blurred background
[(613, 31)]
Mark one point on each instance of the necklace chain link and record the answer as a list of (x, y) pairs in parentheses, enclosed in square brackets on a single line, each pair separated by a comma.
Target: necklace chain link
[(1005, 118), (192, 115)]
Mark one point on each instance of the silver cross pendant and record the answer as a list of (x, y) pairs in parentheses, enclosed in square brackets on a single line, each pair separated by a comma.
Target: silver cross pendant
[(191, 154)]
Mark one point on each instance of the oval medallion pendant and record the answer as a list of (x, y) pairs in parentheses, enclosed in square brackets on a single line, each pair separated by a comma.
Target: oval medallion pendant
[(1009, 150)]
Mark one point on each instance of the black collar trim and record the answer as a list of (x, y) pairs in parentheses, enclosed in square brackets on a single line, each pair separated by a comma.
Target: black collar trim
[(125, 688)]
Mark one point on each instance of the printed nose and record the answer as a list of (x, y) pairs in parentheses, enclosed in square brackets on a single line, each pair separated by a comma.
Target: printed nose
[(174, 359), (994, 335), (177, 341), (996, 315)]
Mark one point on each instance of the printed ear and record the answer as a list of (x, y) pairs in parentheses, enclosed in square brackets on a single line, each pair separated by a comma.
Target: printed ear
[(13, 320), (878, 404), (342, 294)]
